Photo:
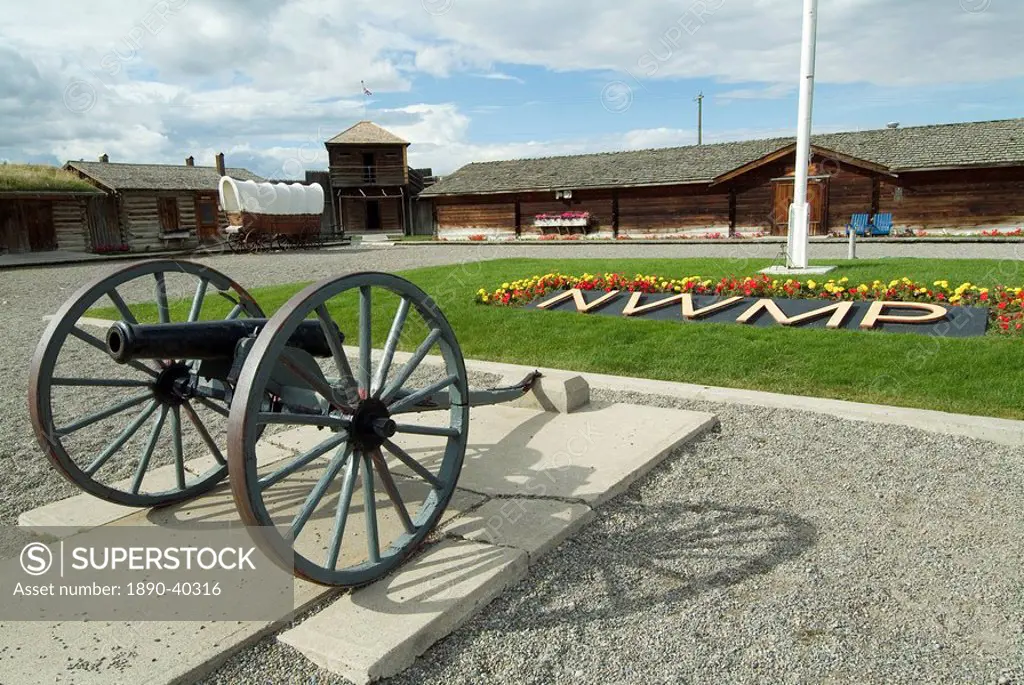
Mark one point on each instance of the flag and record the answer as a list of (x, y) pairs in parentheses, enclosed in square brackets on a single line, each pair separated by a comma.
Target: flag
[(366, 91)]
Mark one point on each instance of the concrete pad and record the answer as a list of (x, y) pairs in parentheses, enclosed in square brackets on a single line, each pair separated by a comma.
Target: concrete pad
[(591, 455), (111, 653), (535, 526), (379, 630), (563, 393), (806, 271), (82, 512)]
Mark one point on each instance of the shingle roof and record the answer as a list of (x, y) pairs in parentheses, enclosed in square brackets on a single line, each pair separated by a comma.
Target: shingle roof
[(118, 176), (920, 147), (367, 133)]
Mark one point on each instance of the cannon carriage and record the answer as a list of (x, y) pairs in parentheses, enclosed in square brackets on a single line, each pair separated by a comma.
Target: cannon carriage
[(152, 385), (264, 216)]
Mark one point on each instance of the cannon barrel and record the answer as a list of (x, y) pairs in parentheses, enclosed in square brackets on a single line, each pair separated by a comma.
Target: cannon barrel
[(201, 339)]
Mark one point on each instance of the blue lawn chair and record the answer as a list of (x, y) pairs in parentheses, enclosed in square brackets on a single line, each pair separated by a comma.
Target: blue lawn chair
[(859, 223), (882, 224)]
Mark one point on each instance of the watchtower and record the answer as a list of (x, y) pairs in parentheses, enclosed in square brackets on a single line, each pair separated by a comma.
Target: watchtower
[(369, 169)]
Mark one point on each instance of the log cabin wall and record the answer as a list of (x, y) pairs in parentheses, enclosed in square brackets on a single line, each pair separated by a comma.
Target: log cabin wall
[(962, 200), (849, 194), (391, 215), (145, 220), (673, 210), (353, 213), (461, 217), (598, 202), (346, 165), (27, 225), (70, 223), (755, 199)]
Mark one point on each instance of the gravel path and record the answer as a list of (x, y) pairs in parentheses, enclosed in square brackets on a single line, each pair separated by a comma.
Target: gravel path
[(788, 548)]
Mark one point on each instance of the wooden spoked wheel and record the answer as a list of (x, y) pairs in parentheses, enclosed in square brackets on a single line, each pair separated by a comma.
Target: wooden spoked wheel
[(109, 427), (373, 477)]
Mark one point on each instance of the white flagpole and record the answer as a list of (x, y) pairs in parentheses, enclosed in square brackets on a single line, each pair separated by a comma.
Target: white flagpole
[(799, 212)]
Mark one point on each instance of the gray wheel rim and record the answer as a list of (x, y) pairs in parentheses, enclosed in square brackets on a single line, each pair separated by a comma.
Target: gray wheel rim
[(349, 461), (41, 383)]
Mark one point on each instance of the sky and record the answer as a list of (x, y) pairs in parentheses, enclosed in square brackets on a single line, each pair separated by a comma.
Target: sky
[(268, 81)]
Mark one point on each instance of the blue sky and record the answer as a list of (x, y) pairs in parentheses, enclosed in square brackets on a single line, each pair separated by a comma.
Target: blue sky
[(267, 81)]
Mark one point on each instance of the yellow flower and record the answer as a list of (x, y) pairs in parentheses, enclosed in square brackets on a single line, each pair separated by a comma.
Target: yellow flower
[(505, 286), (812, 285)]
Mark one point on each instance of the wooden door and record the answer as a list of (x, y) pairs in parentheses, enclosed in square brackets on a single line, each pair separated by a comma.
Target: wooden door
[(817, 198), (104, 231), (170, 219), (783, 195), (38, 222), (373, 218), (206, 217)]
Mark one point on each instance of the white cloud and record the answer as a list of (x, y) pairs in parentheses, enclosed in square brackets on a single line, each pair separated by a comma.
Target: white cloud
[(272, 79)]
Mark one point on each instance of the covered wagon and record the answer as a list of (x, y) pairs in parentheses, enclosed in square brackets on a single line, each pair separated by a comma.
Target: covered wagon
[(265, 215)]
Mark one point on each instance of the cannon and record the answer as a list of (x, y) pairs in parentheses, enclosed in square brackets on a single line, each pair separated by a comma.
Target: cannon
[(343, 459)]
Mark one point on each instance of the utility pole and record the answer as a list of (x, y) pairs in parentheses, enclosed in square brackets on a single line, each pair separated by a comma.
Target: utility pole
[(700, 117)]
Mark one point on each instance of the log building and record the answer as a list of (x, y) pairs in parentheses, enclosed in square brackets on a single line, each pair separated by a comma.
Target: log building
[(152, 207), (372, 187), (955, 177)]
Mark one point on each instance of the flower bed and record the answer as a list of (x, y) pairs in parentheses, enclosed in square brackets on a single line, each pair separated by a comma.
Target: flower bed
[(563, 220), (1005, 304)]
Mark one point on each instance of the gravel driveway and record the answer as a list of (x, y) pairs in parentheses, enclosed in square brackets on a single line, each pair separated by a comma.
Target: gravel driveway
[(788, 548)]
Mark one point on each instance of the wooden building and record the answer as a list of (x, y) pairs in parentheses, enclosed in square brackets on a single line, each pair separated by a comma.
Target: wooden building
[(372, 187), (44, 208), (950, 177), (154, 207), (38, 221)]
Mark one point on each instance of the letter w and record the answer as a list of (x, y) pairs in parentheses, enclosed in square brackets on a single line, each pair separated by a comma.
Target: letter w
[(582, 306)]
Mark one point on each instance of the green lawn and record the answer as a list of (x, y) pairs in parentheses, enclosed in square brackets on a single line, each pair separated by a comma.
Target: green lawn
[(979, 376)]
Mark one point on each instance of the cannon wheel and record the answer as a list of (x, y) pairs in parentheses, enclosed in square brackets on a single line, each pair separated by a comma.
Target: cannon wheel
[(149, 380), (404, 489)]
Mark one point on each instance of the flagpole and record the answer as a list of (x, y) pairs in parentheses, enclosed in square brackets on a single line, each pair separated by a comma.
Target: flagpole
[(799, 212)]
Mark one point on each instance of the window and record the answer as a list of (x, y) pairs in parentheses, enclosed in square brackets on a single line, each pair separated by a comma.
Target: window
[(369, 168), (207, 211), (167, 208)]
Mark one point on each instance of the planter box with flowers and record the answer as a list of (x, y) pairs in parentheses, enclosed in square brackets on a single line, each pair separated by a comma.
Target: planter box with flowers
[(564, 220)]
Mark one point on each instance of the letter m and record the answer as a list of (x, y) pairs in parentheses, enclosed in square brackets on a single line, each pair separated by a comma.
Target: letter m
[(839, 312)]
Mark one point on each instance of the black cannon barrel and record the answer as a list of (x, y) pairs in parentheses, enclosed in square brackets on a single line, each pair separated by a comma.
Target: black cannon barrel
[(201, 339)]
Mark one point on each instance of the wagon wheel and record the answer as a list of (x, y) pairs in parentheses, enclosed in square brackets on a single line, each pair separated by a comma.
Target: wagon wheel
[(253, 242), (407, 468), (285, 241), (102, 447)]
